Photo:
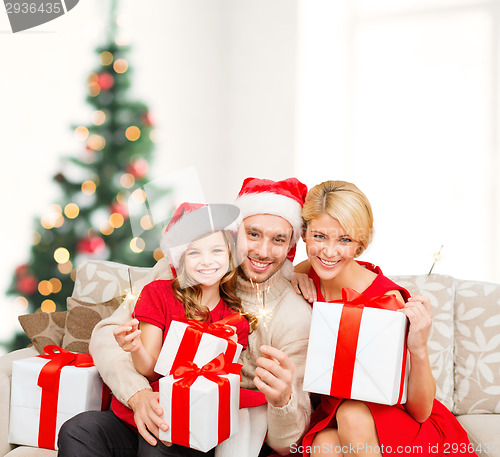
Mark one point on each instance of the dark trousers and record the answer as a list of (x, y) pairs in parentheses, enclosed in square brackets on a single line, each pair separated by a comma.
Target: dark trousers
[(102, 434)]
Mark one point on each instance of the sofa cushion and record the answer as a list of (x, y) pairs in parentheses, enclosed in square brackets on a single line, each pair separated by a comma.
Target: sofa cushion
[(81, 319), (477, 348), (98, 281), (483, 433), (44, 328), (441, 291)]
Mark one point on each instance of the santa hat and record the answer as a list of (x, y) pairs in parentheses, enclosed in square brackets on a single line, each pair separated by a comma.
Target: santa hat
[(192, 221), (279, 198)]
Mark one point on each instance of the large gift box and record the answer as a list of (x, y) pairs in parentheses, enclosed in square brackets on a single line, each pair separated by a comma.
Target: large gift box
[(357, 349), (198, 342), (48, 390), (201, 404)]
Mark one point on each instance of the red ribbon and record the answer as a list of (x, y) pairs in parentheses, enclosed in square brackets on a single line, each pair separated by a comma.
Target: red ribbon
[(347, 339), (192, 337), (188, 372), (48, 380)]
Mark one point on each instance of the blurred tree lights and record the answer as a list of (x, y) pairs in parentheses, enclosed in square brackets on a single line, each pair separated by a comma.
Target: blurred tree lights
[(91, 220)]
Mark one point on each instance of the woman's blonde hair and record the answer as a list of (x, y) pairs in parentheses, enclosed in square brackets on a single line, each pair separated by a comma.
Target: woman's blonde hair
[(345, 202), (189, 292)]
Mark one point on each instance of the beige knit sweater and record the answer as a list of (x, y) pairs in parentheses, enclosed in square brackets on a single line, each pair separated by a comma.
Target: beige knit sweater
[(285, 328)]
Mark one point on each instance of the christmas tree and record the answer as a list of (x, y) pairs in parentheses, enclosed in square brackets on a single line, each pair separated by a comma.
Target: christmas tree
[(91, 219)]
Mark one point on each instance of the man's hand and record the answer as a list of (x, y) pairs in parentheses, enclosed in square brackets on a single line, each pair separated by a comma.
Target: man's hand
[(274, 376), (148, 415)]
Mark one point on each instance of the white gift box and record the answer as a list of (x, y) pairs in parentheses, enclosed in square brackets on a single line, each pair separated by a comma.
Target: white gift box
[(210, 347), (203, 410), (80, 389), (380, 354)]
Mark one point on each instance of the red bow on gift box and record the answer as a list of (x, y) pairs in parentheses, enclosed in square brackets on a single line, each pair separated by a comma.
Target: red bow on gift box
[(347, 339), (48, 380), (188, 372), (194, 332)]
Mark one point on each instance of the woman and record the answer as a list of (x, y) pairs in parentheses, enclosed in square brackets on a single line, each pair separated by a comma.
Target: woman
[(339, 227)]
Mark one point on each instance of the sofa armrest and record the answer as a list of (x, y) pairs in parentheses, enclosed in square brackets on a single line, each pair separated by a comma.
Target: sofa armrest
[(5, 378)]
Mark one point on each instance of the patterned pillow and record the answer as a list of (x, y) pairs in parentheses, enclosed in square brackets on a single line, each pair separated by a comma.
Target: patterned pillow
[(44, 328), (81, 319), (477, 348), (99, 281), (441, 291)]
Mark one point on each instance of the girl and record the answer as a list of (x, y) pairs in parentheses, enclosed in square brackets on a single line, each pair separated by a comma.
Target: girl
[(201, 251), (339, 227)]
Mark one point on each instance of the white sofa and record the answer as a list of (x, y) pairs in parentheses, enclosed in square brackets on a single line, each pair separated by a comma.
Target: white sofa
[(464, 349)]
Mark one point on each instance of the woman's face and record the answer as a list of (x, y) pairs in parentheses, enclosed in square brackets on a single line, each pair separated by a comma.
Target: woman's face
[(329, 247), (206, 260)]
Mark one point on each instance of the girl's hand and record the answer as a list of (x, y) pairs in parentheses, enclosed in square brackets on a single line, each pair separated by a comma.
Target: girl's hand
[(235, 336), (418, 311), (128, 336), (304, 285)]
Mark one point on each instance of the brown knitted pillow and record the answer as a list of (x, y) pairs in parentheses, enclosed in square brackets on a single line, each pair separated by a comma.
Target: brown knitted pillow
[(44, 328), (82, 318)]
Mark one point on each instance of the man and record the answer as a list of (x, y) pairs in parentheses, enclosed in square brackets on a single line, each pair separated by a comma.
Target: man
[(274, 361)]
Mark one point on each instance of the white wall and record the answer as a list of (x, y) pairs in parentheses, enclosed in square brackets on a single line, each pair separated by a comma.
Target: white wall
[(274, 88), (399, 98), (219, 77)]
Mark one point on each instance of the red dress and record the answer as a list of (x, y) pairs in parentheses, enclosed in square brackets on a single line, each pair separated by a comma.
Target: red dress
[(398, 433), (158, 305)]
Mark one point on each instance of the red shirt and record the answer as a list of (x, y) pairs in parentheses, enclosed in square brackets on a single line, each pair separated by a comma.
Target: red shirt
[(158, 305), (380, 285)]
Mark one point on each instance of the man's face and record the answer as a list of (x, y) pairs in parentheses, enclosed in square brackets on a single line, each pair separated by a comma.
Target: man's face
[(263, 244)]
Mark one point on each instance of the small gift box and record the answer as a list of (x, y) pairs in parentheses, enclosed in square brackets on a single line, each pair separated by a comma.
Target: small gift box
[(198, 342), (358, 349), (201, 404), (49, 389)]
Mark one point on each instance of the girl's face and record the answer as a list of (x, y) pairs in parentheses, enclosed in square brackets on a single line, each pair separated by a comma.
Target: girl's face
[(329, 247), (207, 259)]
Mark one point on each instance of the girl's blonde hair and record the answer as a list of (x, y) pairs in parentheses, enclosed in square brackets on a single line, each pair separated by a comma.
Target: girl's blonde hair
[(345, 202), (189, 292)]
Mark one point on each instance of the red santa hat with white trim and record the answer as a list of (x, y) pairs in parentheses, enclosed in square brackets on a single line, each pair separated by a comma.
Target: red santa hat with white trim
[(280, 198)]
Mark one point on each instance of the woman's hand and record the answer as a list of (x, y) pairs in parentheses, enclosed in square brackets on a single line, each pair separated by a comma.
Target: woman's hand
[(418, 311), (421, 384), (128, 336), (304, 285)]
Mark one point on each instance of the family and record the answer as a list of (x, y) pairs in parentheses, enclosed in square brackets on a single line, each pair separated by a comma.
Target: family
[(223, 266)]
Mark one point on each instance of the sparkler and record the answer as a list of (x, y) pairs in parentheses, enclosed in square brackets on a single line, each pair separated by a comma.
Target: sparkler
[(437, 257), (264, 314)]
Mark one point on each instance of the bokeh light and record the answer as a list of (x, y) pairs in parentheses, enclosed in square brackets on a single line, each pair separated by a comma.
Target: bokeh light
[(116, 220), (81, 133), (137, 245), (56, 285), (106, 58), (45, 287), (133, 133), (120, 66), (127, 180), (21, 303), (65, 268), (71, 210), (98, 117), (48, 306), (96, 142), (61, 255), (88, 187)]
